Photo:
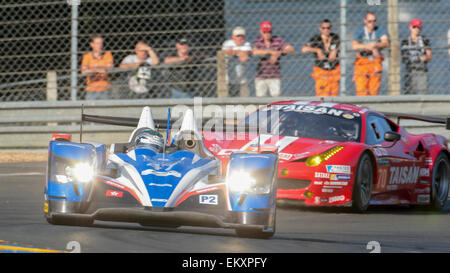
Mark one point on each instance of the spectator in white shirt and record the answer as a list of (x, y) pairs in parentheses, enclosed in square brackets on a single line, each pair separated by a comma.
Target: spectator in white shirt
[(139, 80), (238, 51), (144, 53)]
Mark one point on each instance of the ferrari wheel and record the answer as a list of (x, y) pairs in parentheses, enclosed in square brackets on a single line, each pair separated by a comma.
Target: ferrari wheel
[(362, 187), (440, 182)]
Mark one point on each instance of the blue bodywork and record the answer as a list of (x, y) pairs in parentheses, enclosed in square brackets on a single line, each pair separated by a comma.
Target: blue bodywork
[(177, 181)]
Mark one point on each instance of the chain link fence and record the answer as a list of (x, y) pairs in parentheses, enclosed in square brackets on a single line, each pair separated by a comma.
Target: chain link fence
[(40, 36)]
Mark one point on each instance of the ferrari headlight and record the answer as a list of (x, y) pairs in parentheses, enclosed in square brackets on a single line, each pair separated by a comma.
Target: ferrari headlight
[(316, 160)]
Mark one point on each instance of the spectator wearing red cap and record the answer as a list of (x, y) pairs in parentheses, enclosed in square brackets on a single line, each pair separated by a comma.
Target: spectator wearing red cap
[(269, 48), (416, 53)]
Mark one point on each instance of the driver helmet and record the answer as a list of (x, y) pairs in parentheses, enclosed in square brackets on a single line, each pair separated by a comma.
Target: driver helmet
[(150, 139)]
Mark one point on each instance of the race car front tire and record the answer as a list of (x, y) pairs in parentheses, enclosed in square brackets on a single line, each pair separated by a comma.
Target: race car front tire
[(362, 187)]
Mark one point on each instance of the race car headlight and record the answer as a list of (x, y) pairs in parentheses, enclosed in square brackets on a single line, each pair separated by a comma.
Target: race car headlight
[(65, 172), (243, 181), (81, 172), (316, 160)]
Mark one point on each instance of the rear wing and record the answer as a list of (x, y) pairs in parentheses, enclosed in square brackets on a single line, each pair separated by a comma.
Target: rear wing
[(211, 124), (430, 119)]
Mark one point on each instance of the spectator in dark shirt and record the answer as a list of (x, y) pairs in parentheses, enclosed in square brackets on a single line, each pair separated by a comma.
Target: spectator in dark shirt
[(326, 70), (181, 75), (269, 48), (416, 53)]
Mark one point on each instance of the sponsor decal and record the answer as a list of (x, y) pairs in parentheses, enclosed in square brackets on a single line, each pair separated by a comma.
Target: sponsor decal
[(424, 190), (404, 175), (208, 199), (391, 187), (348, 116), (157, 173), (335, 183), (318, 183), (423, 198), (315, 109), (336, 199), (215, 148), (321, 175), (112, 193), (160, 185), (339, 177), (338, 169), (328, 190), (424, 172), (285, 156), (380, 151)]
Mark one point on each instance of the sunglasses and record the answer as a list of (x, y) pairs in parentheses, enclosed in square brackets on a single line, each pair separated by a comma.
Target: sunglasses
[(325, 27), (371, 21), (417, 27)]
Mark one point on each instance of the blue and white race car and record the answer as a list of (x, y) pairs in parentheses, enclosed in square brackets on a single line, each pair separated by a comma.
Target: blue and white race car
[(148, 182)]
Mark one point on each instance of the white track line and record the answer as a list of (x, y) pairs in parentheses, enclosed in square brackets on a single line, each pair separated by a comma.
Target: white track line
[(19, 174)]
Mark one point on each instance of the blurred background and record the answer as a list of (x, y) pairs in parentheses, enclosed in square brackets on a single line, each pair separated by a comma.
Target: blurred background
[(42, 36)]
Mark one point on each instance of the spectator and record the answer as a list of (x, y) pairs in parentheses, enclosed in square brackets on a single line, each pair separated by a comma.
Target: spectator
[(181, 73), (144, 54), (369, 40), (269, 48), (416, 53), (143, 58), (448, 41), (95, 65), (240, 50), (326, 70)]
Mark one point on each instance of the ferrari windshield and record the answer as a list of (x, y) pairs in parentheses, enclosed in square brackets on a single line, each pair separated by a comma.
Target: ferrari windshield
[(308, 121)]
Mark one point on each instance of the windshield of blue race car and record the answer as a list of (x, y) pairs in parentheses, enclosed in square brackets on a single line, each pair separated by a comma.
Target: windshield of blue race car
[(309, 121)]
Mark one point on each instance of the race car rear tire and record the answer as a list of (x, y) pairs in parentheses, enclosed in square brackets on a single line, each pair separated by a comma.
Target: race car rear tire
[(440, 182), (362, 187)]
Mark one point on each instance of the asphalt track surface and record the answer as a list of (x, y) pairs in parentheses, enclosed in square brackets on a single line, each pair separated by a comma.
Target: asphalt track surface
[(299, 230)]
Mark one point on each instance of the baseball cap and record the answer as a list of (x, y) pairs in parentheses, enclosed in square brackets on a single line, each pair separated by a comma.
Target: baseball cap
[(238, 31), (415, 23), (265, 26), (183, 41)]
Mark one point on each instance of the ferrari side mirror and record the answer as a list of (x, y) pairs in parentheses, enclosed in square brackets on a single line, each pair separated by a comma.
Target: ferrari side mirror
[(392, 136)]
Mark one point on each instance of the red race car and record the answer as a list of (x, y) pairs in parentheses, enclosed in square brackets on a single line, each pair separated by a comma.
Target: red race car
[(344, 155)]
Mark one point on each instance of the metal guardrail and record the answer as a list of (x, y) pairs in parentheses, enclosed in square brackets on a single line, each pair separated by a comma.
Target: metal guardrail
[(30, 124)]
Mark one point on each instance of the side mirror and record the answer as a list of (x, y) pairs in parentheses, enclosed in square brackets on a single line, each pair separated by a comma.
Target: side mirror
[(392, 136)]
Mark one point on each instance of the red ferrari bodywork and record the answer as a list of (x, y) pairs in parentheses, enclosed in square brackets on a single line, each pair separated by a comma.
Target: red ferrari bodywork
[(401, 172)]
